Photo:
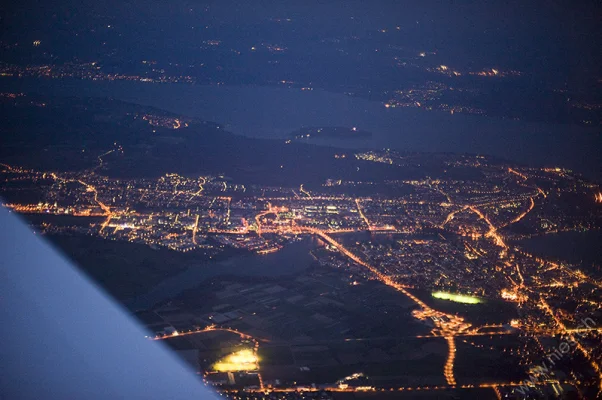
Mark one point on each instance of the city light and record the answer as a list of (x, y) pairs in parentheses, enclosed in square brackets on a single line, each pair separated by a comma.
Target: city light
[(482, 261), (243, 360), (319, 201)]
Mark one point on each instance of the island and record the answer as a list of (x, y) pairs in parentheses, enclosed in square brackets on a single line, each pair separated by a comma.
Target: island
[(347, 270)]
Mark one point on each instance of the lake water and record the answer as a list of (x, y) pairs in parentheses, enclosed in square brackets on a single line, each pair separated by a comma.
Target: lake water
[(292, 259), (581, 248), (271, 112)]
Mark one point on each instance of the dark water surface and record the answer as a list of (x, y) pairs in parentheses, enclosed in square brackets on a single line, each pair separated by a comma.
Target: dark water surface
[(270, 112), (583, 248)]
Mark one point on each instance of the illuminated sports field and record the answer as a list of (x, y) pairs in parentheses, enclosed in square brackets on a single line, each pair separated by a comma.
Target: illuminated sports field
[(458, 298), (243, 360)]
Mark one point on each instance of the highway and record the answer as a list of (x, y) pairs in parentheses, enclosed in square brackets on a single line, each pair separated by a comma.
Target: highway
[(447, 325)]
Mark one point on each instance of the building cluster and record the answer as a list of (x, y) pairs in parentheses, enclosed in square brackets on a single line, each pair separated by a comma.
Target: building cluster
[(455, 236), (182, 213)]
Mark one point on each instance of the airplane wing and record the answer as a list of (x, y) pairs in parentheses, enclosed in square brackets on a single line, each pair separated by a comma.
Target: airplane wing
[(62, 338)]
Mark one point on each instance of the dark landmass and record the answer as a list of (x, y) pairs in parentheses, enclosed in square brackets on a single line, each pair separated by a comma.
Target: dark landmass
[(69, 134), (330, 132), (447, 221), (539, 70), (580, 248), (134, 195), (121, 268), (319, 334)]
